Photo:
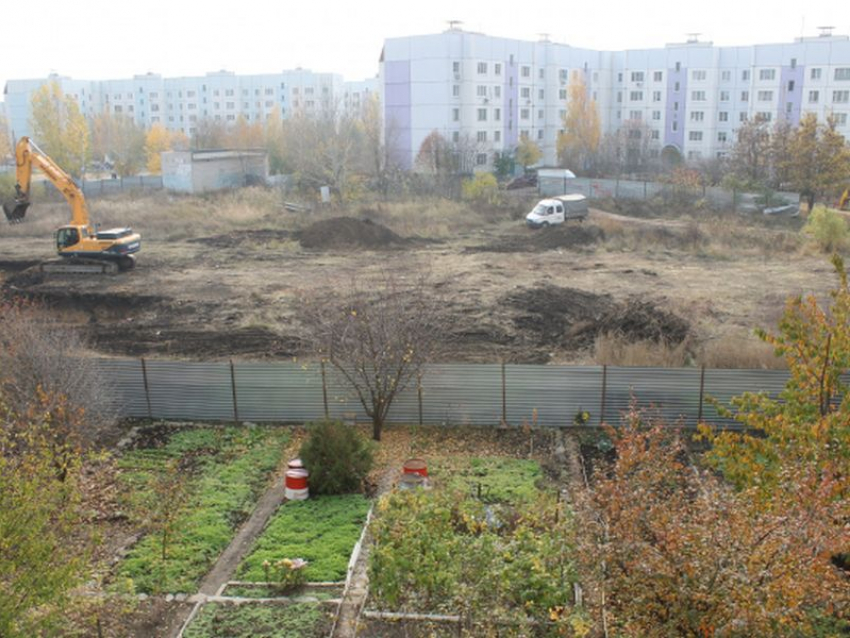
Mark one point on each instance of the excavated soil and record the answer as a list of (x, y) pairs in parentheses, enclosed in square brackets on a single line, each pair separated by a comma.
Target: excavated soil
[(237, 239), (568, 236), (571, 319), (348, 233)]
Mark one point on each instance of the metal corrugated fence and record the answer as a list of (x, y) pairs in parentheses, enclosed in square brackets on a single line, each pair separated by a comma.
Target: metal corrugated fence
[(449, 394)]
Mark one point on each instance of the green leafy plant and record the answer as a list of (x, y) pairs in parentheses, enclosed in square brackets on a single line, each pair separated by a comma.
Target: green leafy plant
[(828, 229), (481, 189), (286, 574), (338, 458)]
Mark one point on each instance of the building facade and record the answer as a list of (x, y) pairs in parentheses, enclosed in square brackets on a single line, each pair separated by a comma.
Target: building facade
[(692, 97), (181, 103)]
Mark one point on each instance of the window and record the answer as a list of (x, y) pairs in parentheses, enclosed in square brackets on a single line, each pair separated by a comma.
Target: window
[(497, 69), (155, 119), (619, 96), (497, 136), (540, 114), (118, 108), (481, 159), (724, 96), (695, 136), (482, 115), (229, 92), (656, 115), (481, 136), (721, 136), (656, 135), (455, 67), (230, 106), (658, 76), (455, 115), (231, 118), (269, 104), (307, 91), (541, 74), (789, 106), (767, 74), (455, 136), (764, 116), (840, 97), (562, 114), (723, 116), (694, 155), (678, 66), (745, 75), (540, 134), (698, 76), (676, 86), (497, 91), (497, 114), (154, 107), (154, 95), (813, 97), (674, 126), (636, 96), (193, 118), (840, 118), (765, 96), (697, 116), (523, 114), (482, 68), (726, 76), (562, 75), (481, 90), (541, 93), (656, 96), (675, 106), (791, 85), (635, 115), (525, 92), (745, 96), (842, 74), (814, 74), (698, 96), (190, 94), (562, 94), (619, 77), (525, 71), (637, 76), (742, 117), (192, 107), (456, 90)]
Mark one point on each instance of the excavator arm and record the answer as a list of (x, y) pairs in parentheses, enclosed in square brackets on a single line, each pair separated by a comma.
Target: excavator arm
[(27, 155)]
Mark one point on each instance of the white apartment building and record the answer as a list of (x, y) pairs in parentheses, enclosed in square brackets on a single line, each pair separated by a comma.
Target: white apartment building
[(180, 103), (692, 97)]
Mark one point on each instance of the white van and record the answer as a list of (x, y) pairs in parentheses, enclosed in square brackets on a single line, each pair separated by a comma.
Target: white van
[(557, 210)]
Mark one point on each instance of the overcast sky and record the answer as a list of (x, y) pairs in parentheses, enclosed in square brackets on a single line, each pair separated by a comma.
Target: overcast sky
[(99, 39)]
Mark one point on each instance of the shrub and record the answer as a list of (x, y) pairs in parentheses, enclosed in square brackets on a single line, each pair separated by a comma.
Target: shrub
[(481, 189), (338, 457), (828, 228)]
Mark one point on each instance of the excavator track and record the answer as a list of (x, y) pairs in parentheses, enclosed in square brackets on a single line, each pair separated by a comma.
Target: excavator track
[(79, 267)]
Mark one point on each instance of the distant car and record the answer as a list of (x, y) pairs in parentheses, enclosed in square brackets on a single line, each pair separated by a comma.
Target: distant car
[(524, 181), (557, 210)]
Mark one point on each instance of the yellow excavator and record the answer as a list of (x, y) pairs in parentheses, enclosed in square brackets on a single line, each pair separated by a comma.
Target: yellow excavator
[(844, 202), (84, 249)]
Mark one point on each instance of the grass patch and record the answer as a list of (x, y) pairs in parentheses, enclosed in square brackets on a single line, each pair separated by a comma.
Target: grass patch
[(299, 620), (264, 591), (322, 531), (492, 479), (227, 469)]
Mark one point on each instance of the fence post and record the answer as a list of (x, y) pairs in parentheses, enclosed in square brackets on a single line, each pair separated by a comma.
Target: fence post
[(504, 396), (147, 388), (644, 190), (325, 392), (604, 390), (419, 395), (617, 188), (233, 389), (701, 392)]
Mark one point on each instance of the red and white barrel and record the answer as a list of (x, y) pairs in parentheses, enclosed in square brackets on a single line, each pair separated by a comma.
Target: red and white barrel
[(415, 466), (296, 484), (295, 464)]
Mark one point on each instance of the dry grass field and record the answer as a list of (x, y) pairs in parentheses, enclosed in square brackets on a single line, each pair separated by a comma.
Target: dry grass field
[(222, 276)]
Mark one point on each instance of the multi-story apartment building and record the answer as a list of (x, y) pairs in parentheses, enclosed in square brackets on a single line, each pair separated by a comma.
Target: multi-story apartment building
[(180, 103), (691, 97)]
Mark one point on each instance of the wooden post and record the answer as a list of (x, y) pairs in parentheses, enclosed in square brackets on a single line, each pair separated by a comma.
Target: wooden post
[(419, 394), (325, 392), (233, 388), (147, 388), (604, 390), (701, 392), (504, 396)]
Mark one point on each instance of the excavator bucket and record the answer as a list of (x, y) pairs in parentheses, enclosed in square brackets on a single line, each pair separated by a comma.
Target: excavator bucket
[(16, 211)]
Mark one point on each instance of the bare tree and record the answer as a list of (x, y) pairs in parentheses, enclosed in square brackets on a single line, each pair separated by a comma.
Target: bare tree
[(39, 357), (377, 335)]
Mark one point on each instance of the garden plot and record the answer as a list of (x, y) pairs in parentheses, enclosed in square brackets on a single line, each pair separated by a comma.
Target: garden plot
[(226, 620), (489, 548), (192, 489)]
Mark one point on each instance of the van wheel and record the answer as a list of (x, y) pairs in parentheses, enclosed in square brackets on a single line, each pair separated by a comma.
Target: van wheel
[(544, 225)]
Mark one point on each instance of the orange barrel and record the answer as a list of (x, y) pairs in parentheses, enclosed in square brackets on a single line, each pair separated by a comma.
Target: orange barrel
[(415, 466), (295, 464), (296, 485)]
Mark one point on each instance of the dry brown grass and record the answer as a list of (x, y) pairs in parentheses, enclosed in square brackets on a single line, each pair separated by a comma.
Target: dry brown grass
[(739, 353), (433, 218), (616, 350)]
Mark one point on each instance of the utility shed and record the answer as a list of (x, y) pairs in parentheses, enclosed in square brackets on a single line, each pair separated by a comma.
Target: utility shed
[(554, 181), (203, 171)]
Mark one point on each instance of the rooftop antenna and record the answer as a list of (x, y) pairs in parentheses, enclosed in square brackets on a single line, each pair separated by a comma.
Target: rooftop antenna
[(825, 32), (454, 25), (693, 38)]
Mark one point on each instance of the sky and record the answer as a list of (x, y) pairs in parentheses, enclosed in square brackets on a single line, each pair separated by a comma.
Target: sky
[(96, 39)]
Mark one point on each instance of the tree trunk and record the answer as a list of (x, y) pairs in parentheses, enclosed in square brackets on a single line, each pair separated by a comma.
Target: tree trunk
[(810, 198), (377, 426)]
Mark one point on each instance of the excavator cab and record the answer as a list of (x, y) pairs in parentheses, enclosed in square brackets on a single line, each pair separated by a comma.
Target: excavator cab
[(66, 237)]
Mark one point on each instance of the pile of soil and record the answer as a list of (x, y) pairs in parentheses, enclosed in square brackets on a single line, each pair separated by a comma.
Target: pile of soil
[(572, 319), (568, 236), (349, 233), (237, 238)]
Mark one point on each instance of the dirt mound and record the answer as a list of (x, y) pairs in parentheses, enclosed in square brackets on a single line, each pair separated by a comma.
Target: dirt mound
[(349, 233), (553, 238), (238, 238), (553, 316)]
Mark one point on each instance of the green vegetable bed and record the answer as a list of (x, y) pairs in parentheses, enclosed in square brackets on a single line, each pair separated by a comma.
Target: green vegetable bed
[(321, 530), (299, 620), (223, 471)]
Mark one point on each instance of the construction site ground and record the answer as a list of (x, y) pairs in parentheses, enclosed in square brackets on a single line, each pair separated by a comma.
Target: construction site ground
[(223, 276)]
